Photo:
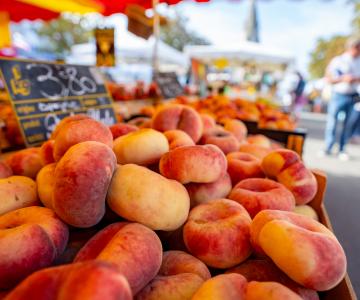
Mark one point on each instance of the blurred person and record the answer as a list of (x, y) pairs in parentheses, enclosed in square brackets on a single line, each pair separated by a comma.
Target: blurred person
[(343, 73), (298, 97)]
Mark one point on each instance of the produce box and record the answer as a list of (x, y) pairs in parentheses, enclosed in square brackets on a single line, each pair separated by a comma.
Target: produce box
[(344, 290)]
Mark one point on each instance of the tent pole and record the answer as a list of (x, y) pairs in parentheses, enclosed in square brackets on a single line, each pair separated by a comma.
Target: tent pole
[(156, 29)]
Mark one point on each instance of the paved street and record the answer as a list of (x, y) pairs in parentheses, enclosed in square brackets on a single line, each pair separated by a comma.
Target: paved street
[(343, 192)]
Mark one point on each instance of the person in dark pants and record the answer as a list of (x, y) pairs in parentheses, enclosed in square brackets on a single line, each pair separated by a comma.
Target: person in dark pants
[(343, 73)]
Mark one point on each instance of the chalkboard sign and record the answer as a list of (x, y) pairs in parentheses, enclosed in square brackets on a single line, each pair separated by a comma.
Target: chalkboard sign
[(169, 84), (44, 93)]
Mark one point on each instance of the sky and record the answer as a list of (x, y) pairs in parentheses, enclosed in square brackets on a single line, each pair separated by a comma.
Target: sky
[(292, 26)]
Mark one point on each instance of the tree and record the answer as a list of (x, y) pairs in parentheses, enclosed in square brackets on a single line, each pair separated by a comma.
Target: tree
[(60, 34), (176, 34)]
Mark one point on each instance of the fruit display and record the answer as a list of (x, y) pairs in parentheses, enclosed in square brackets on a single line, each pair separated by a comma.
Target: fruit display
[(176, 206)]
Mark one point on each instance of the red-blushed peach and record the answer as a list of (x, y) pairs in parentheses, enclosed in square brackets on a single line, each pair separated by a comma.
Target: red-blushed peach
[(5, 170), (141, 122), (17, 192), (201, 164), (242, 166), (265, 270), (306, 210), (91, 280), (176, 262), (300, 181), (237, 128), (258, 151), (204, 192), (45, 181), (277, 161), (82, 179), (208, 122), (177, 116), (260, 140), (134, 249), (218, 233), (222, 287), (178, 138), (300, 246), (66, 120), (143, 147), (174, 287), (31, 238), (25, 162), (121, 129), (47, 152), (218, 136), (269, 291), (257, 194), (151, 199), (79, 131)]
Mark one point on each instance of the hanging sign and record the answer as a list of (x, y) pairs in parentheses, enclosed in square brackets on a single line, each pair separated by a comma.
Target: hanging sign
[(43, 93), (105, 47)]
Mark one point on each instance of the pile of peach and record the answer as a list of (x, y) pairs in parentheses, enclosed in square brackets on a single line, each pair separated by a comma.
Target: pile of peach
[(186, 209)]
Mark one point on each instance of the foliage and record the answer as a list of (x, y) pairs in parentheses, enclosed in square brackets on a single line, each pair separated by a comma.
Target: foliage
[(177, 34)]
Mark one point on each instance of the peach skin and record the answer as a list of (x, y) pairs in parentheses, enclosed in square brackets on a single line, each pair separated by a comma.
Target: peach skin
[(269, 291), (45, 181), (203, 164), (82, 179), (177, 116), (151, 199), (5, 170), (121, 129), (277, 161), (47, 152), (242, 166), (301, 247), (134, 249), (259, 139), (204, 192), (217, 233), (208, 122), (306, 210), (67, 120), (91, 280), (218, 136), (237, 128), (178, 138), (257, 194), (31, 238), (258, 151)]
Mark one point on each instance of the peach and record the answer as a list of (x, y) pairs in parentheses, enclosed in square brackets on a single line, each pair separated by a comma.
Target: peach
[(45, 181), (277, 161), (204, 192), (141, 195), (121, 129), (79, 131), (300, 246), (201, 164), (257, 194), (221, 287), (25, 162), (141, 122), (225, 140), (174, 287), (172, 240), (17, 192), (178, 138), (143, 147), (31, 238), (5, 170), (265, 270), (177, 116), (237, 128), (67, 120), (269, 291), (47, 152), (177, 262), (306, 210), (218, 233), (81, 182), (260, 140), (242, 166), (208, 121), (91, 280), (134, 249), (258, 151)]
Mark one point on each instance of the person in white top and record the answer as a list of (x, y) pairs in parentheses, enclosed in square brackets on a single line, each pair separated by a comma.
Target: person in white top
[(343, 73)]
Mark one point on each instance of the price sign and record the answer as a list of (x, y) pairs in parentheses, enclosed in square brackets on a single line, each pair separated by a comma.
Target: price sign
[(169, 84), (105, 47), (44, 93)]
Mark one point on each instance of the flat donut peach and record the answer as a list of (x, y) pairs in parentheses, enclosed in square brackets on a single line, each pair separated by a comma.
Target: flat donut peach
[(178, 138), (225, 140), (257, 194)]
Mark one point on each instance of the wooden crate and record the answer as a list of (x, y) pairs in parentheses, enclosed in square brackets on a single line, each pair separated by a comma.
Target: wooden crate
[(344, 290)]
